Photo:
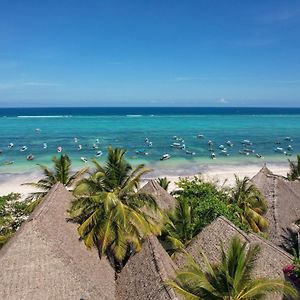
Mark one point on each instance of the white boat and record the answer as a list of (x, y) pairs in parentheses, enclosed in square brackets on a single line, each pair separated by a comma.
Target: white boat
[(38, 130), (200, 136), (150, 144), (99, 153), (244, 152), (141, 152), (59, 149), (84, 159), (288, 138), (213, 155), (10, 145), (79, 147), (178, 145), (279, 150), (165, 156), (95, 146), (221, 147), (146, 140), (75, 140), (97, 141), (24, 148), (190, 152), (228, 143), (210, 143), (224, 152), (30, 157), (258, 155), (290, 148), (45, 146)]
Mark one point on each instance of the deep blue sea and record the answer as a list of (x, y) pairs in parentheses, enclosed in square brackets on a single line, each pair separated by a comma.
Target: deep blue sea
[(265, 128)]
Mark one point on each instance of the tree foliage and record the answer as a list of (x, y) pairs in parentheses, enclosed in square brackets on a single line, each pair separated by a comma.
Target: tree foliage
[(294, 173), (230, 279), (113, 215), (163, 182)]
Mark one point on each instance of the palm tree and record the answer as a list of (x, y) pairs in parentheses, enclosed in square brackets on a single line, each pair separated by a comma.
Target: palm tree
[(163, 182), (61, 173), (178, 230), (251, 203), (113, 215), (231, 279), (294, 173)]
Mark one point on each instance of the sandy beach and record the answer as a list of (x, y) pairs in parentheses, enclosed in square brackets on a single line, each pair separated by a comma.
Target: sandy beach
[(223, 174)]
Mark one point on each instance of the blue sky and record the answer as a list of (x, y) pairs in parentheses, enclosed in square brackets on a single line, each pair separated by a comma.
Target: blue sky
[(149, 53)]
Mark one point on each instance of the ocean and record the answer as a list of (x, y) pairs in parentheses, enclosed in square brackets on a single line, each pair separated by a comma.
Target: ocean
[(147, 134)]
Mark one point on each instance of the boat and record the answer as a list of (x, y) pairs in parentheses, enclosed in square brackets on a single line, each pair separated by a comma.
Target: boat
[(79, 147), (45, 146), (258, 155), (59, 149), (1, 151), (290, 148), (200, 136), (213, 155), (99, 153), (10, 145), (150, 144), (30, 157), (288, 138), (38, 130), (97, 141), (221, 147), (178, 145), (84, 159), (279, 150), (210, 143), (228, 143), (24, 148), (141, 152), (224, 152), (165, 156), (246, 142), (75, 140), (190, 152), (8, 162), (146, 140), (95, 146), (244, 152)]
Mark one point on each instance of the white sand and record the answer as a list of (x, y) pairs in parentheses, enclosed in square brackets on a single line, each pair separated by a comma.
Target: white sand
[(222, 174)]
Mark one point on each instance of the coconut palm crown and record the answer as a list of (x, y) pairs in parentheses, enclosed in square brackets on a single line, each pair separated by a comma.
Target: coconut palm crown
[(113, 215), (231, 279), (294, 173), (61, 173), (251, 203)]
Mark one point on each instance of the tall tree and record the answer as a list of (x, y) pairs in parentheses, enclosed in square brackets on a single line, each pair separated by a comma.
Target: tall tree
[(113, 215), (294, 173), (163, 182), (60, 173), (251, 202), (231, 279)]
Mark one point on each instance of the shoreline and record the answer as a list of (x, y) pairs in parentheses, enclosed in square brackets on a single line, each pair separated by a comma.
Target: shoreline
[(222, 173)]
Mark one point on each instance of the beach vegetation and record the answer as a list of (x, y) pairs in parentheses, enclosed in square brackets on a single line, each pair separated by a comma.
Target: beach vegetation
[(112, 214), (251, 203), (163, 182), (294, 173), (198, 204), (231, 278), (12, 214), (61, 172)]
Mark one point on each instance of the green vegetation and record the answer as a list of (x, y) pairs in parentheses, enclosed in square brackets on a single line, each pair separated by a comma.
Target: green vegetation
[(294, 173), (112, 214), (61, 173), (198, 204), (163, 182), (230, 279), (12, 214), (251, 203)]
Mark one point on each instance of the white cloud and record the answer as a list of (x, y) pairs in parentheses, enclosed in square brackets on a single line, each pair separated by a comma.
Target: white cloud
[(223, 101)]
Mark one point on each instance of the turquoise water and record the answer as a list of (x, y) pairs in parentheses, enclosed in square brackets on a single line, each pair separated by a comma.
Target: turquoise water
[(129, 131)]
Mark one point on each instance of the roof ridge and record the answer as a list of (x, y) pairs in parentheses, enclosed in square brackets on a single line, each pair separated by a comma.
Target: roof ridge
[(160, 268)]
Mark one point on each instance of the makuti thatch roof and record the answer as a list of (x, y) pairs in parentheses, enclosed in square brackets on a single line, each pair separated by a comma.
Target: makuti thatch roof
[(270, 262), (163, 199), (283, 199), (46, 260), (144, 275)]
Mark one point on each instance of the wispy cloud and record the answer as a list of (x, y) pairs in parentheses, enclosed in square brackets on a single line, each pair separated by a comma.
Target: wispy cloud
[(19, 84), (223, 101), (281, 15), (192, 78)]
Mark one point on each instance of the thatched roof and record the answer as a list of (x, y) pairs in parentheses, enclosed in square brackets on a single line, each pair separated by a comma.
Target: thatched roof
[(46, 260), (163, 199), (283, 199), (144, 274), (270, 262)]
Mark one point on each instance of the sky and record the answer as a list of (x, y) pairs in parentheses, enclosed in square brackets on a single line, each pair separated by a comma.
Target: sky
[(149, 53)]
